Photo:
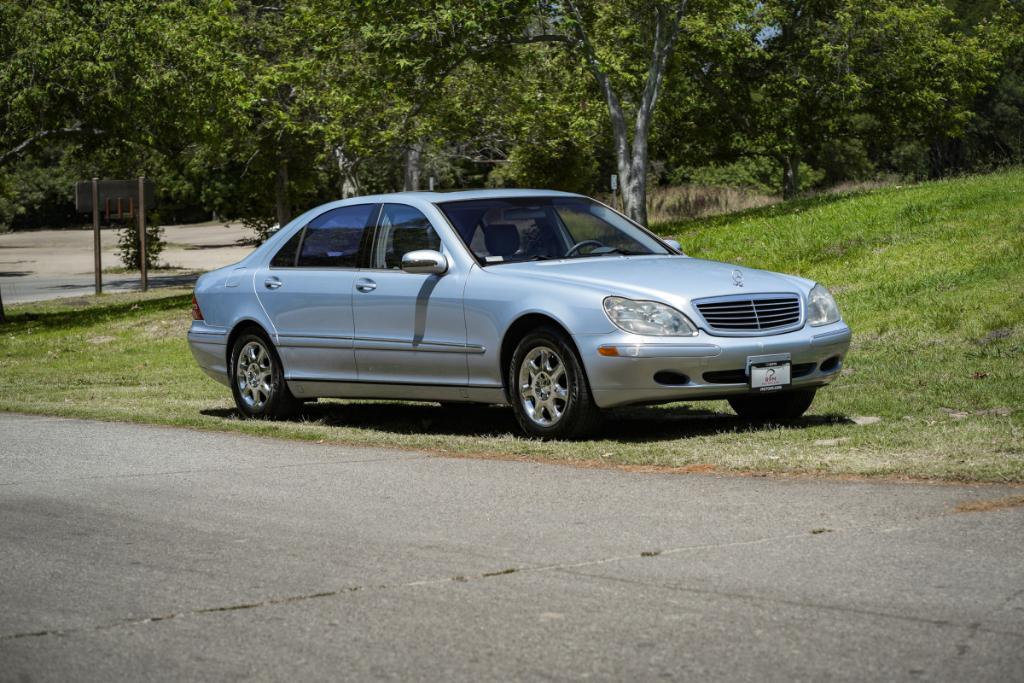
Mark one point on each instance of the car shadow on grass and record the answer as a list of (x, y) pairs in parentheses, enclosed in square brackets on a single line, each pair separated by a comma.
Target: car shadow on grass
[(633, 424)]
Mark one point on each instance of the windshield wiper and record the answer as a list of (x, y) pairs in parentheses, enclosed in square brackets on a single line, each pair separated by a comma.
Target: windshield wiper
[(608, 251)]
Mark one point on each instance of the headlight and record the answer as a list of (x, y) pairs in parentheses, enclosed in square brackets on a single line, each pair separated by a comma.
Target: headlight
[(821, 307), (647, 317)]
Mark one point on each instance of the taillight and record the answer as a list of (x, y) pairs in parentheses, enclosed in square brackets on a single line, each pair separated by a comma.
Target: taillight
[(197, 314)]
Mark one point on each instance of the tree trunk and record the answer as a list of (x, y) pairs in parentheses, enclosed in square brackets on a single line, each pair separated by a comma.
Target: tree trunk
[(632, 159), (3, 318), (634, 189), (790, 176), (281, 200), (412, 167), (349, 185)]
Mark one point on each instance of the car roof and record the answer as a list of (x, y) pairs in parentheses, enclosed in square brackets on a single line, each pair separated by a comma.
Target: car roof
[(461, 195)]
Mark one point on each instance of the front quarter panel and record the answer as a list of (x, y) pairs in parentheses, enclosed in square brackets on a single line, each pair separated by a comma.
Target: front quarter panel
[(494, 301)]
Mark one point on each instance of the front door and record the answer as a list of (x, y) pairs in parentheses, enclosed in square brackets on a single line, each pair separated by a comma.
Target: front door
[(410, 328), (306, 290)]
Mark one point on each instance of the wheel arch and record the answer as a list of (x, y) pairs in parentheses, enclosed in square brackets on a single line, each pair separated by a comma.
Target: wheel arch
[(521, 327), (240, 328)]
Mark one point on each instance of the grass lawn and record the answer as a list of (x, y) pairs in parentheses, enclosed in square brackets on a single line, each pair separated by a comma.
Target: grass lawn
[(930, 278)]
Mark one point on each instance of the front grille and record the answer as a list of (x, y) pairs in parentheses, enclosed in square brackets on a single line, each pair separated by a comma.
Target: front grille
[(740, 314)]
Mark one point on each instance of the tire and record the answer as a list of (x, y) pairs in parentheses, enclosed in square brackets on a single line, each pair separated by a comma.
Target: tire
[(787, 405), (548, 388), (257, 379)]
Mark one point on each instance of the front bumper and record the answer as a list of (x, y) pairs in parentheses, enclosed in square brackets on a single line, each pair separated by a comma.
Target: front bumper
[(705, 366)]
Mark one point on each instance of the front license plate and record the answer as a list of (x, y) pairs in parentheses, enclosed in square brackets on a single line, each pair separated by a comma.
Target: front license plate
[(769, 376)]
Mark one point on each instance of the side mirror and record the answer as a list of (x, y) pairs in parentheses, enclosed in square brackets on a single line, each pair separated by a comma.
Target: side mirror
[(674, 244), (426, 261)]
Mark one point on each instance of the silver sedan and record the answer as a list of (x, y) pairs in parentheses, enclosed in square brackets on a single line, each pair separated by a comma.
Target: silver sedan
[(546, 301)]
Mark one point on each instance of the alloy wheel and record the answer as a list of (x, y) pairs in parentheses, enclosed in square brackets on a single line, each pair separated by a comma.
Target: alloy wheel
[(544, 386), (254, 375)]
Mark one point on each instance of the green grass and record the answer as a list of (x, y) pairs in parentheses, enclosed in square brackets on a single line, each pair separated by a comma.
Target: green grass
[(929, 277)]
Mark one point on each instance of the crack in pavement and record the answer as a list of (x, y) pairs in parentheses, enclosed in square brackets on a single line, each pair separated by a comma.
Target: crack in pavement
[(204, 470), (562, 566), (972, 626)]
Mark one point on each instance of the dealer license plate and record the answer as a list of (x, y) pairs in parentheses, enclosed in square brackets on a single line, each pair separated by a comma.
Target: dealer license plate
[(769, 376)]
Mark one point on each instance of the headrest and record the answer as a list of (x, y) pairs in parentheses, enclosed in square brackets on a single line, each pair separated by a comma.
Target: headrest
[(502, 239)]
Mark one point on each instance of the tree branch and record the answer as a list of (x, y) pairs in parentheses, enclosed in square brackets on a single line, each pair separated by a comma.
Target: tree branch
[(614, 106), (666, 32), (27, 143)]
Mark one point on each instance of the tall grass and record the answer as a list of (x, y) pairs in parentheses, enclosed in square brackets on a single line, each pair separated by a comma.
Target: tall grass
[(680, 202)]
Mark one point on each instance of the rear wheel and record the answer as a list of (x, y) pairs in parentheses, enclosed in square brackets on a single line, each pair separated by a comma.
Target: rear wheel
[(787, 405), (257, 379), (549, 389)]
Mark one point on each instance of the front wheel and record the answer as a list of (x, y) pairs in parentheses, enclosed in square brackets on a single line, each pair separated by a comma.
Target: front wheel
[(257, 379), (548, 387), (787, 405)]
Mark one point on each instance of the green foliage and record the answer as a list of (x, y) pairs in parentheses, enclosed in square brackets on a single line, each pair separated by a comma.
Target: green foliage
[(754, 172), (38, 192), (261, 227), (129, 248), (257, 111)]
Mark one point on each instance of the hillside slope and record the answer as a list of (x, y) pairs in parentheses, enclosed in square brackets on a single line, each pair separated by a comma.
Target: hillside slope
[(930, 278)]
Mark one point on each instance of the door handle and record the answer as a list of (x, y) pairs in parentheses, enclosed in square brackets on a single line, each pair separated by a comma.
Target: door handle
[(365, 285), (272, 283)]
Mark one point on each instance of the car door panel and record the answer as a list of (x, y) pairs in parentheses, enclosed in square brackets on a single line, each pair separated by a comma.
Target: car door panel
[(310, 301), (410, 328)]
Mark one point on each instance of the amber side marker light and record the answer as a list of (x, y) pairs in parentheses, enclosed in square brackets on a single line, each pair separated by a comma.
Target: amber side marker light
[(608, 350), (197, 314)]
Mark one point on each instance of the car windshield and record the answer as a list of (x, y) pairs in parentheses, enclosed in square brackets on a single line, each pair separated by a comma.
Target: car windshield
[(509, 230)]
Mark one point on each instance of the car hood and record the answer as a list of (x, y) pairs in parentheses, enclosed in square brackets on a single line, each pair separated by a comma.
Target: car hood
[(675, 279)]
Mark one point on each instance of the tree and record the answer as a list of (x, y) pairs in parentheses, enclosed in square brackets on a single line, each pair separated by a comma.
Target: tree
[(876, 71), (610, 38)]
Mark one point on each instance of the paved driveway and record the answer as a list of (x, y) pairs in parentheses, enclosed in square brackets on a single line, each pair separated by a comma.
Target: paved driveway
[(47, 264), (134, 553)]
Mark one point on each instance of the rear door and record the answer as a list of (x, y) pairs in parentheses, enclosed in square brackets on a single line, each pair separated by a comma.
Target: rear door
[(410, 328), (306, 290)]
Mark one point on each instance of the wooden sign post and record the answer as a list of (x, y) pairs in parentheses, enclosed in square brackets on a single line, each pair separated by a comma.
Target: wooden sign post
[(120, 199), (142, 234), (97, 258)]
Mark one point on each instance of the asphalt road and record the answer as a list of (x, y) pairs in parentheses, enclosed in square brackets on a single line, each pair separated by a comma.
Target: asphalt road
[(141, 553), (20, 289)]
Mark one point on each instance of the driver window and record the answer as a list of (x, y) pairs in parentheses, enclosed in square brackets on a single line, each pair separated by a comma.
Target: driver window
[(401, 229)]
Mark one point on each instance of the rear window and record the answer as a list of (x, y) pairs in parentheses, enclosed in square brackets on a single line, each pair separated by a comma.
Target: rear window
[(333, 239), (285, 256)]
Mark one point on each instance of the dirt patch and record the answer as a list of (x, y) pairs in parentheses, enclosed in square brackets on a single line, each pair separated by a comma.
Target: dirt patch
[(101, 339), (198, 247), (831, 442), (987, 505), (961, 414), (994, 336)]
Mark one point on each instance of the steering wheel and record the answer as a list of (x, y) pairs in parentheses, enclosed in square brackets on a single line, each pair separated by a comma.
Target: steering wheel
[(579, 245)]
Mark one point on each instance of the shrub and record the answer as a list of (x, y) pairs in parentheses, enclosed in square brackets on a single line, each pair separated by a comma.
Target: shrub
[(128, 243)]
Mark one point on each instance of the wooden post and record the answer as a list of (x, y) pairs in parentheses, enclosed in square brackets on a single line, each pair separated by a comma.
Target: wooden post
[(142, 233), (2, 318), (97, 260)]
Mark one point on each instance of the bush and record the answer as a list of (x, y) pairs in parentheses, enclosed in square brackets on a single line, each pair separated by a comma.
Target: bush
[(262, 227), (128, 244)]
